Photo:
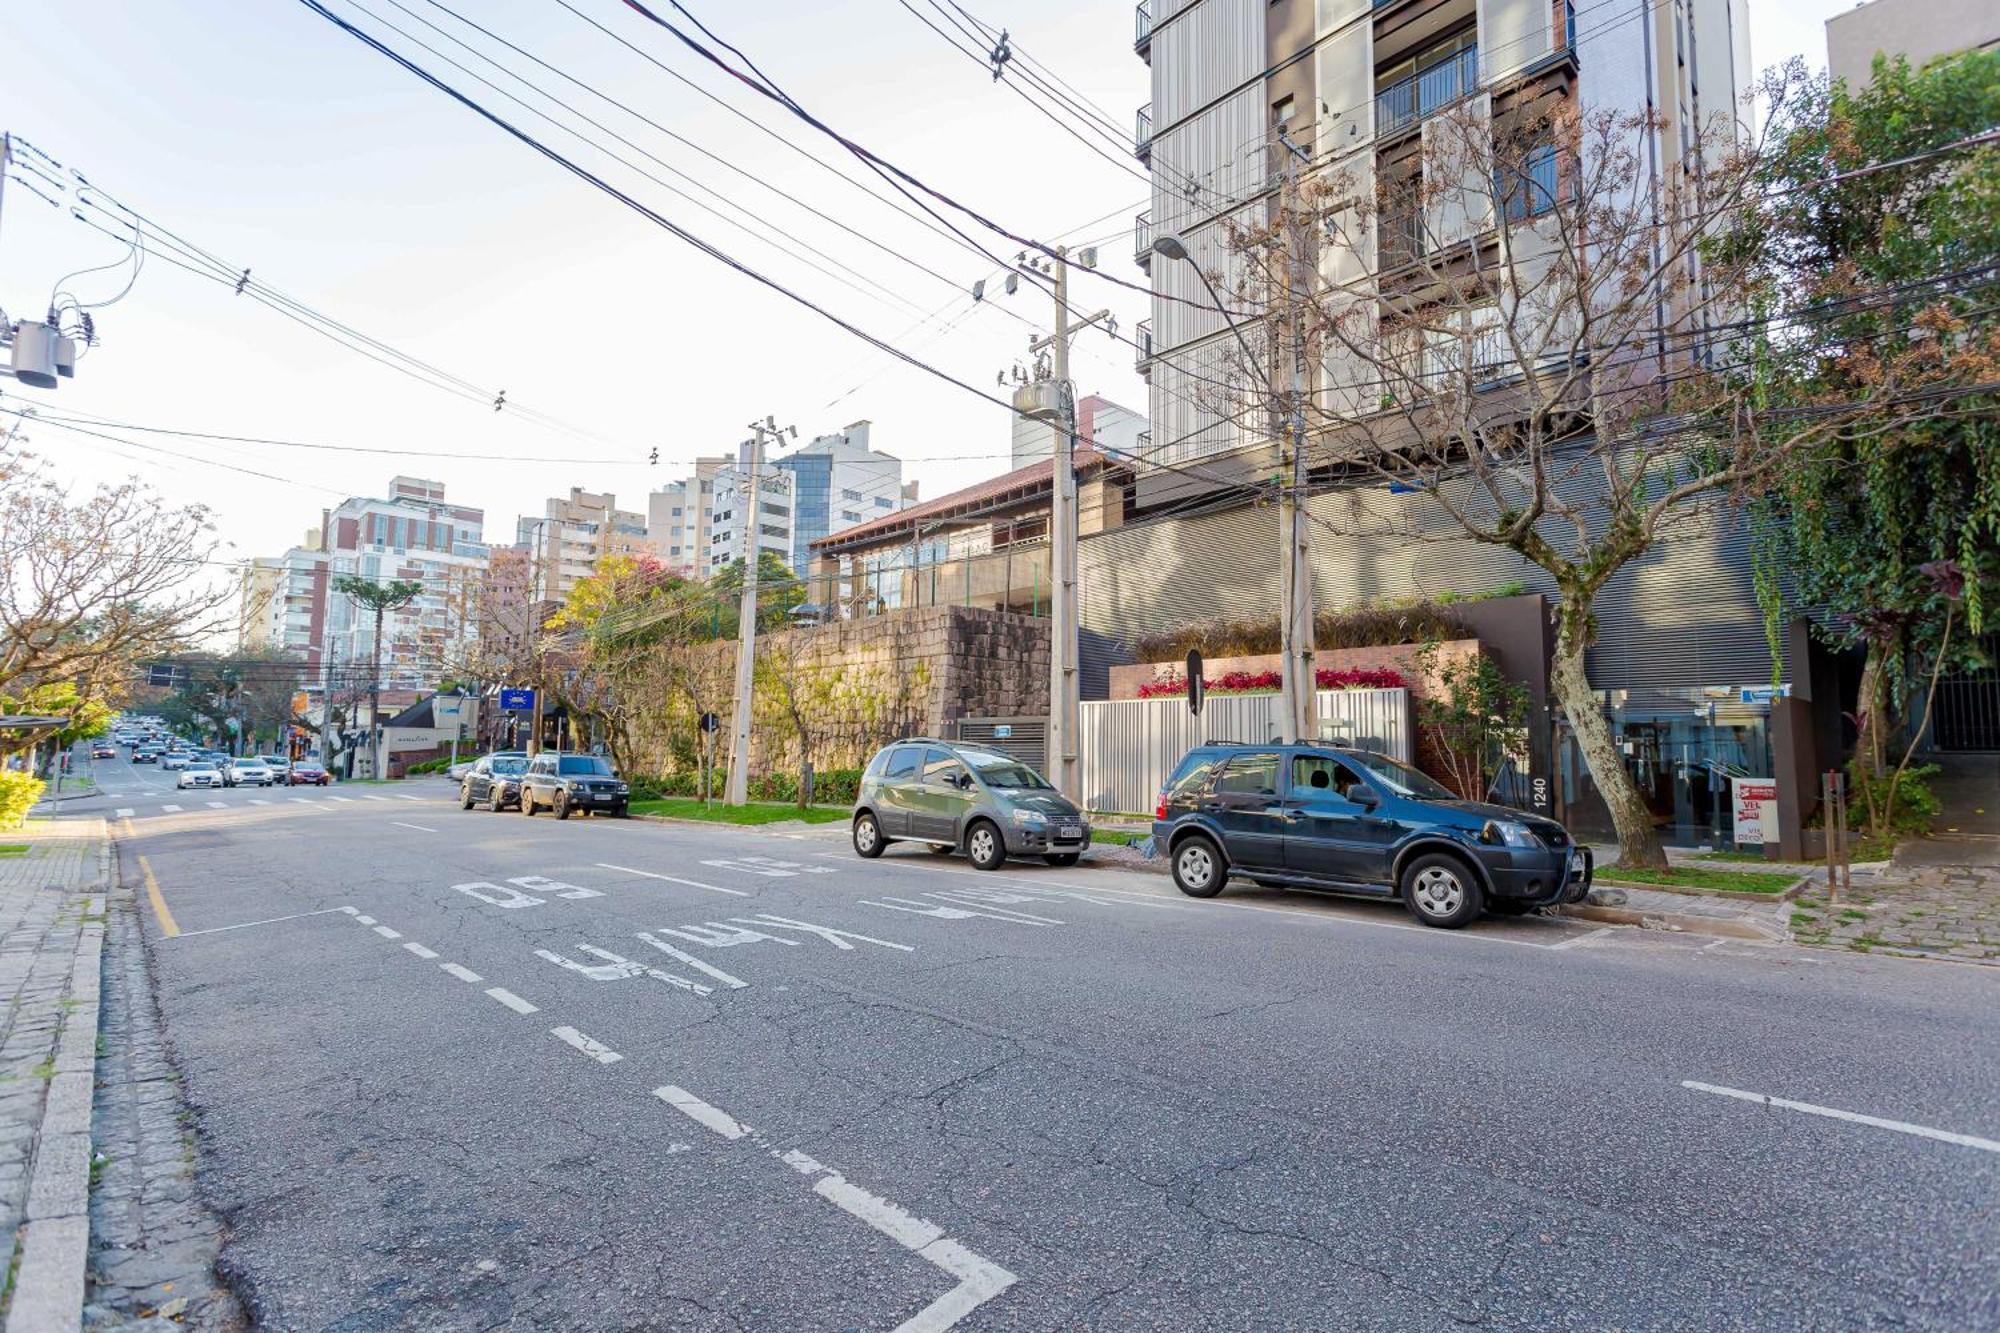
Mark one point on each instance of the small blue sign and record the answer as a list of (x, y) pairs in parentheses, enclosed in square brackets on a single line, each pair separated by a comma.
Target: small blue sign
[(517, 701), (1003, 731), (1758, 694)]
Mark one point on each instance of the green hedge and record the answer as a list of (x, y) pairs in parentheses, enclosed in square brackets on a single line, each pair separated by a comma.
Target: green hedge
[(18, 793), (437, 765), (835, 786)]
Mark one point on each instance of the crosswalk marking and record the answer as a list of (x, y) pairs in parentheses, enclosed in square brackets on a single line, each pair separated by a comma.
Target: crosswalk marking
[(401, 797), (218, 805), (122, 812), (367, 797), (349, 800), (255, 801), (170, 809)]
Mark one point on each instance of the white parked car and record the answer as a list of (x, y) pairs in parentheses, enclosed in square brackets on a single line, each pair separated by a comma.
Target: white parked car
[(248, 771), (199, 774)]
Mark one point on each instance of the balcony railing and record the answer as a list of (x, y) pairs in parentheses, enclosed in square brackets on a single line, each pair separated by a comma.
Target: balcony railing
[(1142, 240), (1142, 130), (1142, 25), (1437, 85), (1142, 339)]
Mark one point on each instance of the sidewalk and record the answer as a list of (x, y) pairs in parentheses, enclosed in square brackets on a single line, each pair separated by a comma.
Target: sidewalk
[(1939, 898), (51, 938)]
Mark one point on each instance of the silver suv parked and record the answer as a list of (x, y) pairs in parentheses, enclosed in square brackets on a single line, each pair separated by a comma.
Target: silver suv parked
[(962, 796)]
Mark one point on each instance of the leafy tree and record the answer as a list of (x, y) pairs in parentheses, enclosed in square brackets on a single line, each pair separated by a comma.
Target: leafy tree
[(1894, 535), (1471, 716)]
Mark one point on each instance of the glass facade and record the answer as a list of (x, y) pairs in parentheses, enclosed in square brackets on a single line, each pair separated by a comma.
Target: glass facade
[(812, 516), (1681, 747)]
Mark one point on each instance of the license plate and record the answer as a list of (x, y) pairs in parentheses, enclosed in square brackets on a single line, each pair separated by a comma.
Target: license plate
[(1069, 831)]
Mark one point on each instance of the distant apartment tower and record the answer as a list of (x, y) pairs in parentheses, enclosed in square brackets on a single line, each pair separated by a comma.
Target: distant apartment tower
[(673, 516), (770, 514), (1100, 423), (573, 534), (839, 481), (1353, 84), (1919, 30), (260, 608), (413, 534)]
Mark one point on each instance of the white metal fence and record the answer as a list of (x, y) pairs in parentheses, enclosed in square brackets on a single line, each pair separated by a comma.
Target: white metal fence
[(1129, 746)]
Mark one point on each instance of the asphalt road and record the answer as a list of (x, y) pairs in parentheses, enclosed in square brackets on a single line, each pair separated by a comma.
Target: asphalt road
[(458, 1070)]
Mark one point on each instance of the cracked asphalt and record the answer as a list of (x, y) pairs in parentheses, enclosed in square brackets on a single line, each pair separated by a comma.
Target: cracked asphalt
[(1262, 1112)]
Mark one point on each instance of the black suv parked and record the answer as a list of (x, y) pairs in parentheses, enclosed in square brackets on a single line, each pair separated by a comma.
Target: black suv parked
[(1353, 821)]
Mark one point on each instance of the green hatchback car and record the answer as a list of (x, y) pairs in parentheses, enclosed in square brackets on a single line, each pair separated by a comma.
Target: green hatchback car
[(956, 797)]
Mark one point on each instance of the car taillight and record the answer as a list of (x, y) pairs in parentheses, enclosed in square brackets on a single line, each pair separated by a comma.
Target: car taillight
[(1160, 811)]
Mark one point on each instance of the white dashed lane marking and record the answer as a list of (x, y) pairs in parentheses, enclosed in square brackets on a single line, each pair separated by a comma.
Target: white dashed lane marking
[(420, 951), (1852, 1117), (512, 1001), (418, 827), (170, 809), (123, 812), (978, 1280), (462, 973), (675, 879), (388, 934), (596, 1050)]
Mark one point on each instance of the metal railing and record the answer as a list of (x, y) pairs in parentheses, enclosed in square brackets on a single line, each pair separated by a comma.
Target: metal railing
[(1142, 130), (1142, 25), (1142, 339), (1437, 85), (1142, 240)]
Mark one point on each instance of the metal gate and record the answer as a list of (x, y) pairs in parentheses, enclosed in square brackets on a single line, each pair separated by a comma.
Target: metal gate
[(1022, 738), (1129, 746), (1966, 713)]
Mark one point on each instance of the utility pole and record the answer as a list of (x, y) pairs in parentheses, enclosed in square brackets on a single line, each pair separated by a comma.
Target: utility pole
[(1065, 715), (738, 791), (1295, 593)]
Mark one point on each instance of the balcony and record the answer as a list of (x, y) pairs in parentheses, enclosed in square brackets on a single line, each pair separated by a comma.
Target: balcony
[(1142, 241), (1142, 28), (1142, 132), (1429, 90), (1142, 339)]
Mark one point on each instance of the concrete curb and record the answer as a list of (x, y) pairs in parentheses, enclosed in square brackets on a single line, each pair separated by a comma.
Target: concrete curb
[(55, 1239), (1732, 928)]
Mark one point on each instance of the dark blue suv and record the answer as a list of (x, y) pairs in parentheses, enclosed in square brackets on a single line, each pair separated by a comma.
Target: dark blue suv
[(1353, 821)]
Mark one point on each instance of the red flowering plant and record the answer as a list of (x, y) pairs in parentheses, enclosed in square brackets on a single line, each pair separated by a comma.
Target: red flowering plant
[(1173, 684)]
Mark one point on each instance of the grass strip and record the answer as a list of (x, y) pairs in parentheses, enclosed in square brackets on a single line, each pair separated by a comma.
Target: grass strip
[(757, 812), (1700, 877)]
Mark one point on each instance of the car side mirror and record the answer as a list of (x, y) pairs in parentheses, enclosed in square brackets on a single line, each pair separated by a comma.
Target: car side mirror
[(1364, 796)]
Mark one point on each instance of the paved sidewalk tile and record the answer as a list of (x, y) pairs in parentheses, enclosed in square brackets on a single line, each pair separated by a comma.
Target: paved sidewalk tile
[(1926, 909), (51, 937)]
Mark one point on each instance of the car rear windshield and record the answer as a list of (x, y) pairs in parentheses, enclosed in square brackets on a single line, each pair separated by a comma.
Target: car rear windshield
[(1004, 771), (584, 764)]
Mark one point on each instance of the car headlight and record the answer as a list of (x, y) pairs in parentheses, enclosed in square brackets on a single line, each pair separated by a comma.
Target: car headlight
[(624, 788), (1506, 833), (1030, 819)]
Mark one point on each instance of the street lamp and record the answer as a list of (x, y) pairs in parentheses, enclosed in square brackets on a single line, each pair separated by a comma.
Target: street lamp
[(1295, 619)]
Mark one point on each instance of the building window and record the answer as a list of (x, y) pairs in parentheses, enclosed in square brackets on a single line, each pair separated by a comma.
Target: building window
[(1281, 112), (848, 515), (884, 502), (776, 511), (1529, 188), (846, 494)]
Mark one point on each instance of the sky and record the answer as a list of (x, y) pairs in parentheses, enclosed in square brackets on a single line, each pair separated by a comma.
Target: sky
[(261, 133)]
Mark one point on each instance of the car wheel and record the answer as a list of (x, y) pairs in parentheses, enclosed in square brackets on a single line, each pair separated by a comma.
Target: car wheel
[(493, 800), (868, 839), (1199, 870), (621, 812), (561, 807), (465, 798), (1441, 891), (984, 846), (527, 803), (942, 849), (1061, 858)]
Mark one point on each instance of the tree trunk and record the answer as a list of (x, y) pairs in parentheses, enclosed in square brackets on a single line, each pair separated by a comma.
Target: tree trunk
[(1871, 727), (1638, 845)]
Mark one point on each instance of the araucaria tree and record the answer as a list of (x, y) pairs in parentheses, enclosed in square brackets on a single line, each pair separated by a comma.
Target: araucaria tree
[(1528, 322), (380, 598)]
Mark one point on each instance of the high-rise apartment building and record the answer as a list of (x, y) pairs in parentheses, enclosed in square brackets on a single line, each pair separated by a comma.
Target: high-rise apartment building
[(260, 607), (673, 515), (414, 534), (1246, 89), (573, 533), (1918, 30), (838, 481)]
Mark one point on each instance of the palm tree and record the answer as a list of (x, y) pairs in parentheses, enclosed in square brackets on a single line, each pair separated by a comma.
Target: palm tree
[(380, 598)]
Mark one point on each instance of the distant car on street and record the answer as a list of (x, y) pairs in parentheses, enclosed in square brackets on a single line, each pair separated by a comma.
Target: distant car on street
[(102, 751), (1357, 822), (305, 773), (145, 755), (175, 759), (955, 796), (493, 780), (248, 771), (199, 775), (568, 783)]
